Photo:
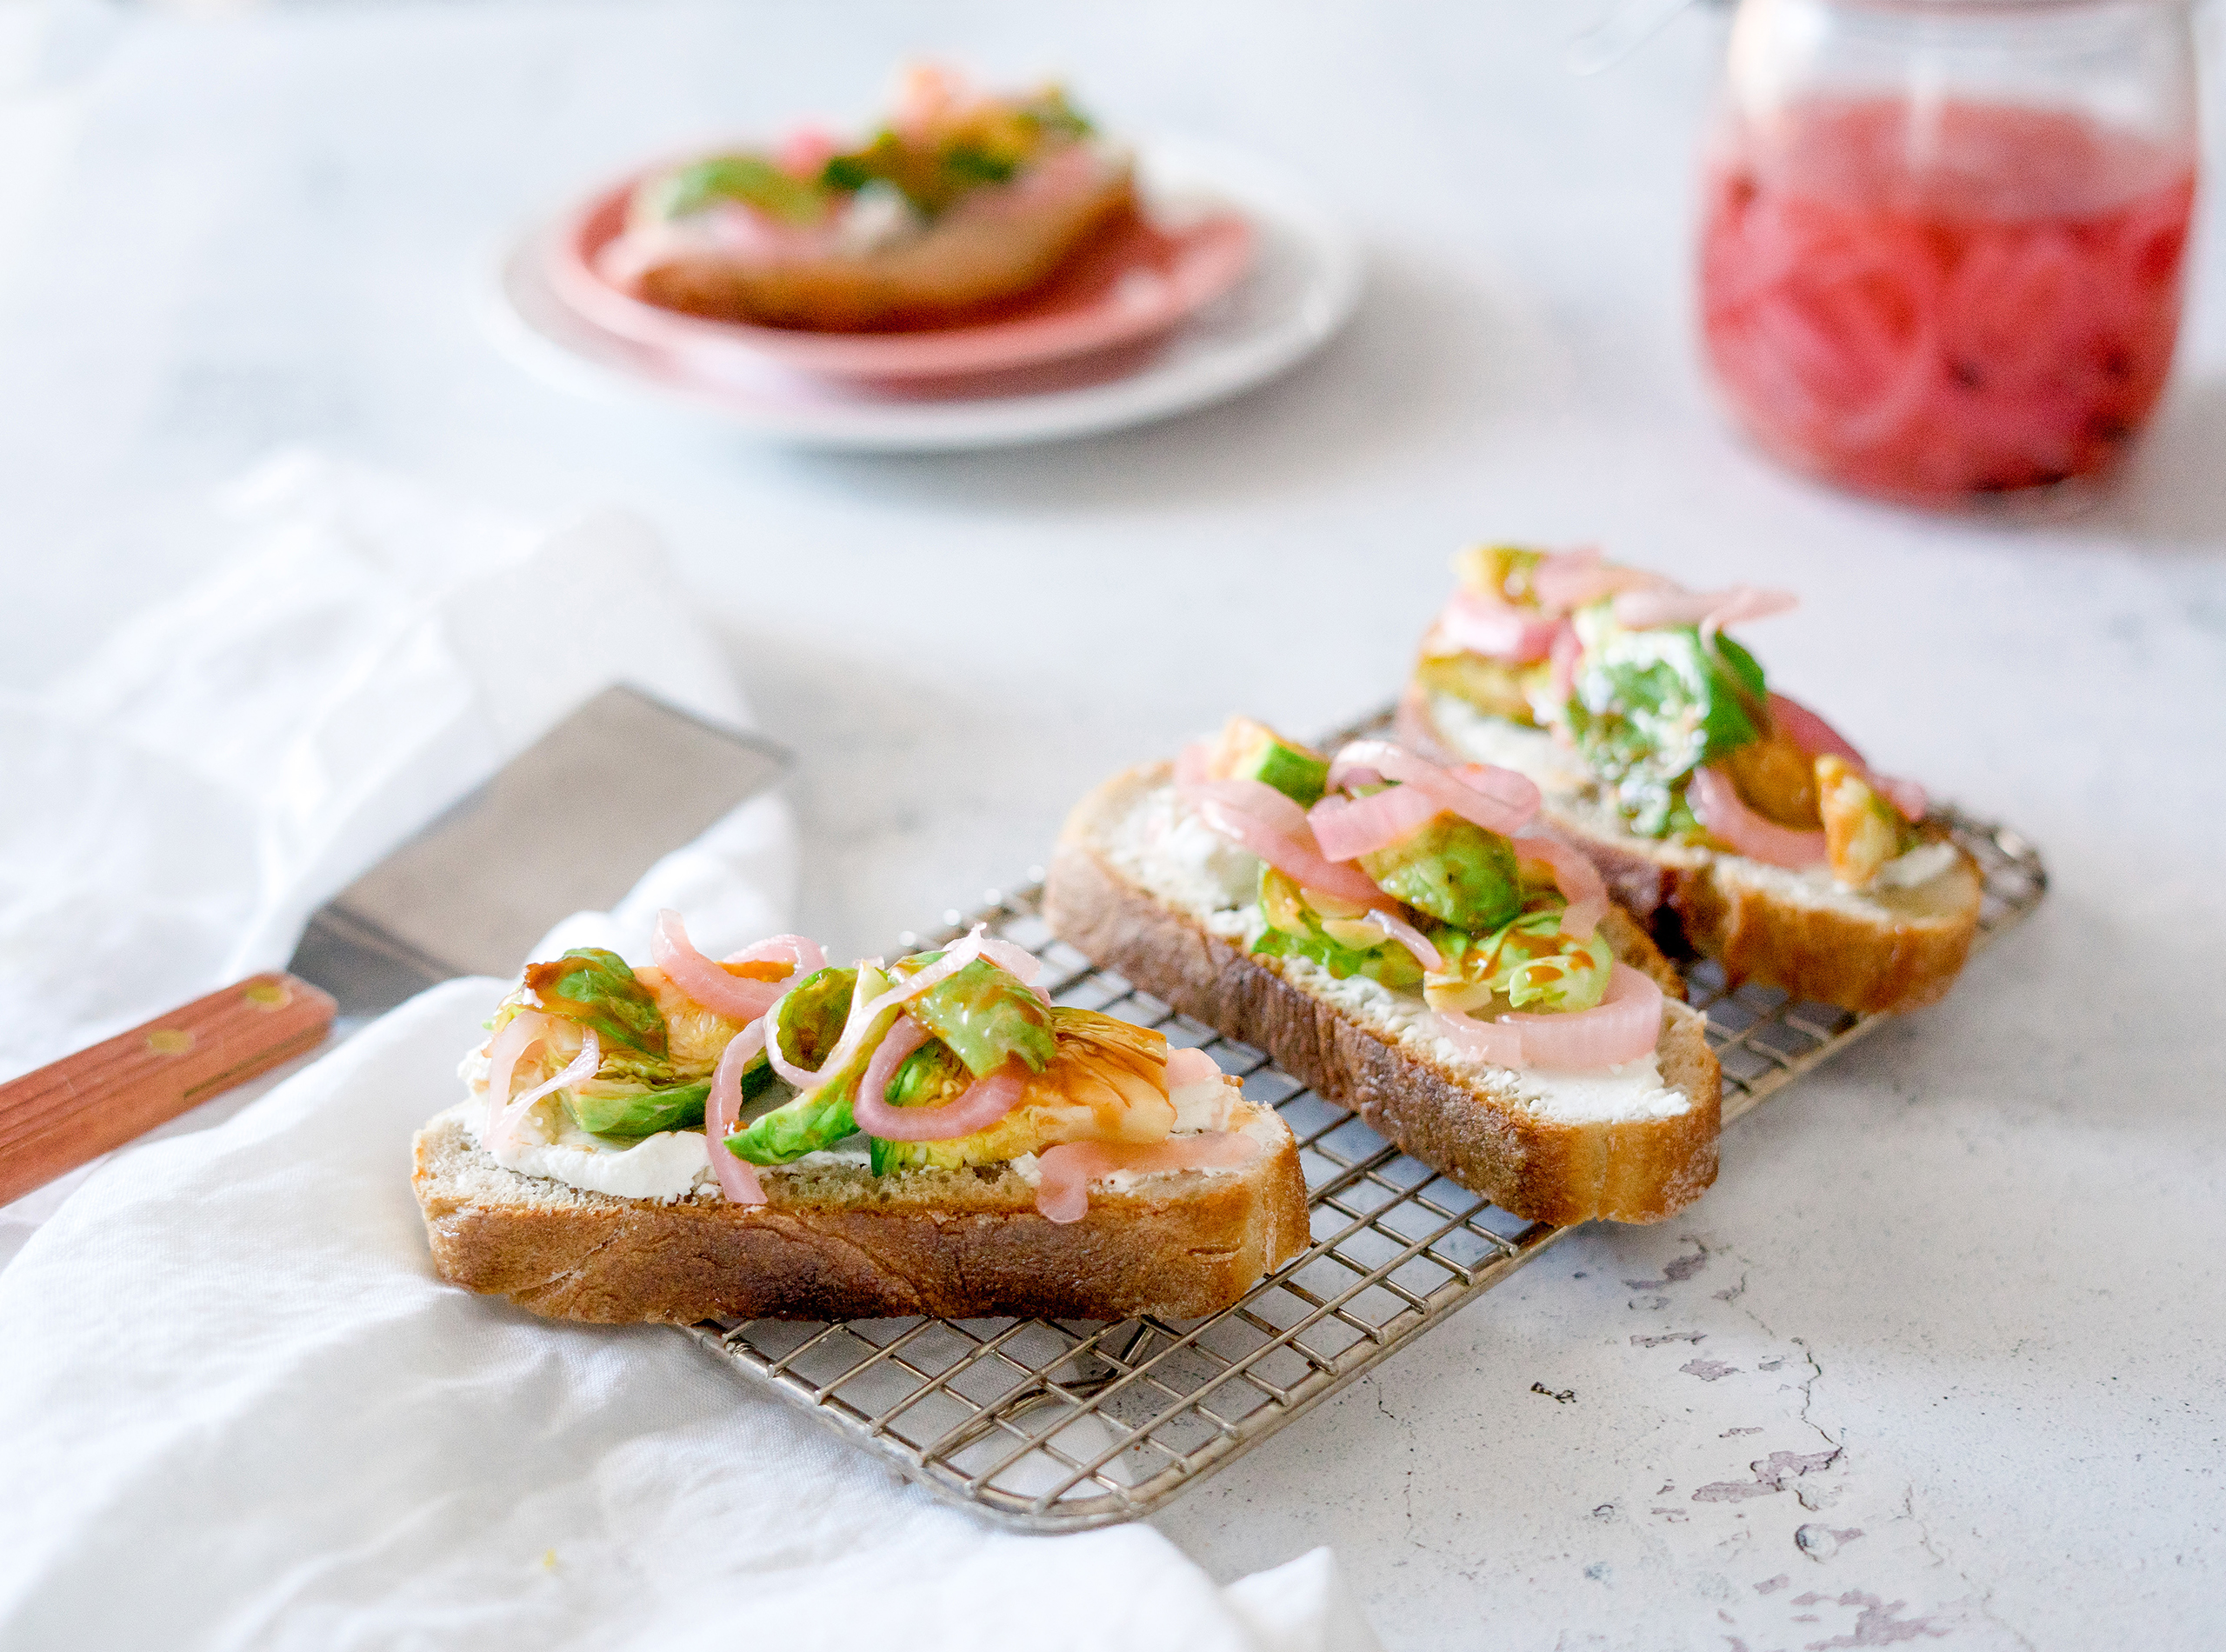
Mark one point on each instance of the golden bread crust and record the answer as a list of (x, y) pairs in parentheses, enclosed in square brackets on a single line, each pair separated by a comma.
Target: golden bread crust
[(1549, 1170), (841, 1243), (963, 267)]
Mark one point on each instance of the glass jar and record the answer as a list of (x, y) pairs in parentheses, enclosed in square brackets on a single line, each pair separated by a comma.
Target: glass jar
[(1940, 258)]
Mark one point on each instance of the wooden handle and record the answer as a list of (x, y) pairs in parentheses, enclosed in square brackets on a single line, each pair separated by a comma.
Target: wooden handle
[(55, 1119)]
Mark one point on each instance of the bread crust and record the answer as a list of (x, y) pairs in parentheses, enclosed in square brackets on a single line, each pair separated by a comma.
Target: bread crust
[(961, 270), (1899, 951), (842, 1243), (1550, 1171)]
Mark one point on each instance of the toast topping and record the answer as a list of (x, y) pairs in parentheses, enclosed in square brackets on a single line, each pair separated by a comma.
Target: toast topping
[(1671, 721), (945, 149), (1155, 843), (943, 1059), (1426, 880)]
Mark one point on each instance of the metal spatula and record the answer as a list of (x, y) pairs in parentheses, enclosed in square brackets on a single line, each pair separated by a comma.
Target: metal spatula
[(567, 825)]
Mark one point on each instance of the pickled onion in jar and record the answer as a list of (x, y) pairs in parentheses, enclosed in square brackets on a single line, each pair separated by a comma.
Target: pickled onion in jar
[(1940, 305)]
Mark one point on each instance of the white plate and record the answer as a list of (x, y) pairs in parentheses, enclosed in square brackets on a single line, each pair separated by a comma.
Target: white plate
[(1304, 283)]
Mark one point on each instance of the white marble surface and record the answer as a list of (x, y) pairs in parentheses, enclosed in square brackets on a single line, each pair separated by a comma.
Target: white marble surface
[(1940, 1358)]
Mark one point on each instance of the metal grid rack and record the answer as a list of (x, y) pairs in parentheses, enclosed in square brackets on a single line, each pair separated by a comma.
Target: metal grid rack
[(1050, 1425)]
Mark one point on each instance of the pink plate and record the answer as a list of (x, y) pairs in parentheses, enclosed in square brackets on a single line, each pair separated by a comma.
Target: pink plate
[(1128, 286)]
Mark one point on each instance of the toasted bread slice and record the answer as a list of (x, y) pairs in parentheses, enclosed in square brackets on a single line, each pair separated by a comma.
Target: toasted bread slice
[(1553, 1147), (835, 1241), (1884, 948), (971, 261)]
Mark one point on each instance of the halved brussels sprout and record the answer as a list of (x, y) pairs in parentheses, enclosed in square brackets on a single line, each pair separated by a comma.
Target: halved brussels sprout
[(1454, 870)]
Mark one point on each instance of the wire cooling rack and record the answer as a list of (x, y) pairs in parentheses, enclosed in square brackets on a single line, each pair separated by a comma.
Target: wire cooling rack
[(1057, 1425)]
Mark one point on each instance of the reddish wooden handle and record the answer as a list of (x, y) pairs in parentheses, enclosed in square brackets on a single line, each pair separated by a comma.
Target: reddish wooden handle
[(55, 1119)]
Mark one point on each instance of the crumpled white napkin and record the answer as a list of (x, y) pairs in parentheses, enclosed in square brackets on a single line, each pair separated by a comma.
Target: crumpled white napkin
[(235, 1406), (182, 802), (237, 1410)]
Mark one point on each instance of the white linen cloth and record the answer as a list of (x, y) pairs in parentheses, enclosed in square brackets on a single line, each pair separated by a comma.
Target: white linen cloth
[(236, 1408)]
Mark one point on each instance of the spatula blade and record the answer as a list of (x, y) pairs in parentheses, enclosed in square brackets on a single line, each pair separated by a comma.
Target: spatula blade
[(567, 825)]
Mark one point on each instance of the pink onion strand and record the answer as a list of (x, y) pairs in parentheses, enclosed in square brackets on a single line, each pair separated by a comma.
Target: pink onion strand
[(1188, 1067), (1717, 805), (1571, 579), (1347, 827), (1499, 800), (802, 949), (1498, 631), (985, 1102), (1487, 1041), (1568, 650), (1407, 936), (1066, 1171), (1259, 818), (520, 1033), (580, 1068), (1624, 1026), (737, 1175), (905, 1037), (1575, 875), (1819, 739), (735, 997), (1642, 610)]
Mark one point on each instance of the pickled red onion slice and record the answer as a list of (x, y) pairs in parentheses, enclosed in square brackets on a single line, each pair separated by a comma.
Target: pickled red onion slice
[(577, 1070), (1811, 732), (954, 959), (1568, 579), (1568, 650), (520, 1033), (1509, 786), (1407, 936), (1487, 1041), (1819, 739), (1187, 1067), (735, 997), (905, 1037), (1066, 1171), (1018, 962), (1499, 800), (803, 949), (1642, 610), (1575, 875), (1257, 817), (1624, 1026), (984, 1101), (737, 1175), (805, 152), (1905, 795), (1499, 631), (1717, 805), (1348, 828)]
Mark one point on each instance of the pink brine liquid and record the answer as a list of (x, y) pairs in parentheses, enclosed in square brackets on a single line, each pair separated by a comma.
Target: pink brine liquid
[(1937, 304)]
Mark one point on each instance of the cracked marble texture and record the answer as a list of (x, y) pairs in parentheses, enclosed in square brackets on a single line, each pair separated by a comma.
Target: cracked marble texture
[(1939, 1361)]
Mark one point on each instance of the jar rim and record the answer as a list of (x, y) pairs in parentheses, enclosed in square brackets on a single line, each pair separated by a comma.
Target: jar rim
[(1983, 8)]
